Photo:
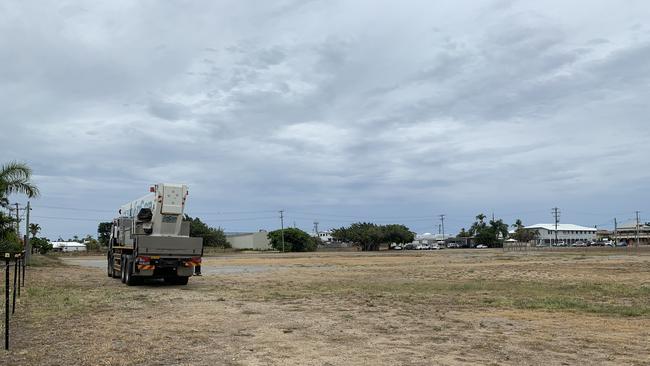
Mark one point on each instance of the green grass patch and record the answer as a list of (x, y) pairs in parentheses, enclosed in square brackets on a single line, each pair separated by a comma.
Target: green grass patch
[(38, 260), (600, 298), (580, 305)]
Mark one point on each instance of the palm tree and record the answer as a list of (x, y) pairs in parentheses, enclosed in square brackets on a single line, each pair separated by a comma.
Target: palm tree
[(15, 178), (34, 229)]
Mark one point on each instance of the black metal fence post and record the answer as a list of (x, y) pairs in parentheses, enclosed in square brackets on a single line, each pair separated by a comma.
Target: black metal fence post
[(7, 257), (13, 307), (23, 263), (18, 270)]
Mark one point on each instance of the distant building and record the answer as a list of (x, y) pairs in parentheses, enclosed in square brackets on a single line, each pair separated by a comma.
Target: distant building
[(604, 234), (428, 238), (325, 236), (627, 232), (68, 246), (567, 233), (256, 241)]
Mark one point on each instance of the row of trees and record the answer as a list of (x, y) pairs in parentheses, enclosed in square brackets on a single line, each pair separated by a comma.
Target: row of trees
[(369, 236), (494, 232)]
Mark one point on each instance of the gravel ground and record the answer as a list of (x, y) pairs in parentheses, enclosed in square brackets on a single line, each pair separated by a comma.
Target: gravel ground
[(450, 307)]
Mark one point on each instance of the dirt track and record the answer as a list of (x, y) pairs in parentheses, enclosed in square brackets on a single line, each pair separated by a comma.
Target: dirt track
[(449, 307)]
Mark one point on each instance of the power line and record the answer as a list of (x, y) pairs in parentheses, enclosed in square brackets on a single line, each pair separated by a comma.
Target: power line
[(231, 212), (72, 208), (68, 218)]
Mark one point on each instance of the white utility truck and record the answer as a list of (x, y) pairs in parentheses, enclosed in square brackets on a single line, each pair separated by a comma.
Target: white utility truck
[(149, 239)]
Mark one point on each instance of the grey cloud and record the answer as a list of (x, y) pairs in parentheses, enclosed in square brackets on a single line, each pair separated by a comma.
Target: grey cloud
[(166, 110), (325, 107)]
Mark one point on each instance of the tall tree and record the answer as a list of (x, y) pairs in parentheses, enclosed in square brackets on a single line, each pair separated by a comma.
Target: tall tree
[(522, 234), (491, 234), (295, 240), (104, 232), (398, 234), (34, 229), (463, 233), (211, 237), (16, 178), (8, 239)]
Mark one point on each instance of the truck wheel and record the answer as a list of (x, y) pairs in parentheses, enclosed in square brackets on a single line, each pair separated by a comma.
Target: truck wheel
[(116, 274), (123, 269), (109, 270), (128, 276)]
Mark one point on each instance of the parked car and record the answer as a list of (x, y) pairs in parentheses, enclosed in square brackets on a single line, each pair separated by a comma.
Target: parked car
[(481, 246), (435, 247), (579, 244), (397, 247), (621, 244)]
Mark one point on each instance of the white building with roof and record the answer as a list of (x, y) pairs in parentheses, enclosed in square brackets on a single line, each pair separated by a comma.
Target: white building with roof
[(567, 233), (68, 246), (325, 236)]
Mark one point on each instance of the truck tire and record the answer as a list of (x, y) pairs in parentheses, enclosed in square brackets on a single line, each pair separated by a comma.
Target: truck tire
[(129, 279), (123, 269), (116, 274), (109, 269)]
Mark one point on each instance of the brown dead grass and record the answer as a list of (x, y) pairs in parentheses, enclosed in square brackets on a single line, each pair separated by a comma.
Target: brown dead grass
[(450, 307)]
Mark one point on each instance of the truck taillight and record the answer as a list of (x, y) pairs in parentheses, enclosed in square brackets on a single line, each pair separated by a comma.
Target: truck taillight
[(152, 189), (143, 260), (196, 259)]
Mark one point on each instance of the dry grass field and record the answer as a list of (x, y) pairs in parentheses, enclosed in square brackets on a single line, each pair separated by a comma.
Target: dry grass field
[(452, 307)]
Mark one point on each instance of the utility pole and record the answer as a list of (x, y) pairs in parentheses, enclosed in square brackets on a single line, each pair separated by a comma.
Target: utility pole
[(556, 215), (615, 232), (17, 220), (28, 247), (282, 228), (442, 225), (637, 229), (316, 227)]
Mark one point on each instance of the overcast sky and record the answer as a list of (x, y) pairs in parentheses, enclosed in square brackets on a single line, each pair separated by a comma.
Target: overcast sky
[(339, 111)]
